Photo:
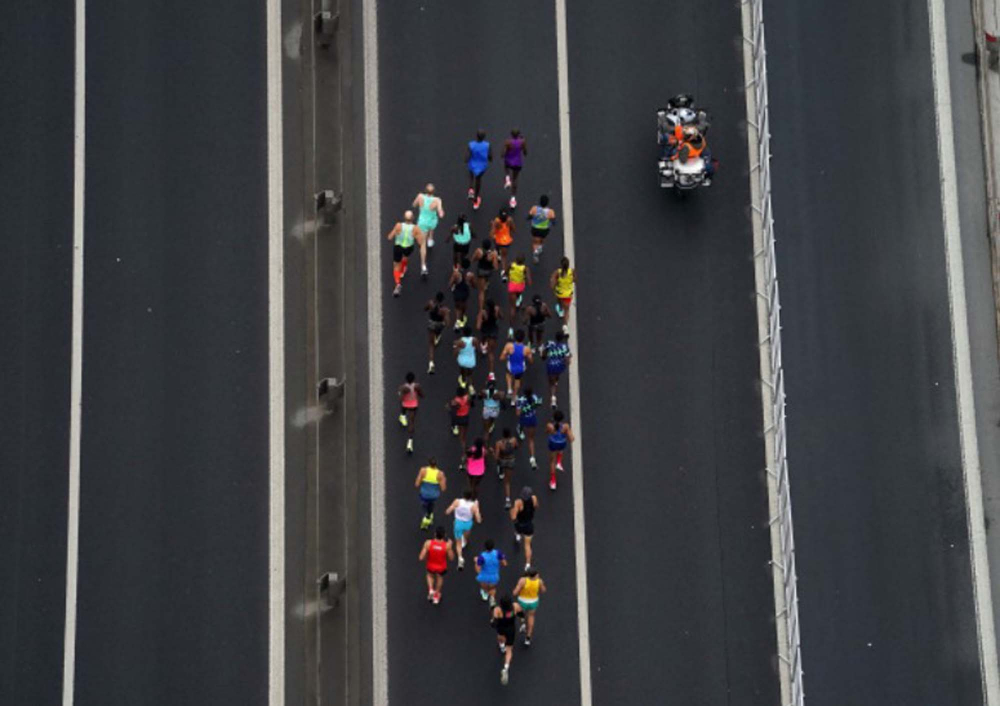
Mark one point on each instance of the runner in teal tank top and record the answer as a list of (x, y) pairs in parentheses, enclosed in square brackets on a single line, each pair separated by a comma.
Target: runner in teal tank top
[(404, 236), (461, 238), (431, 209), (542, 218)]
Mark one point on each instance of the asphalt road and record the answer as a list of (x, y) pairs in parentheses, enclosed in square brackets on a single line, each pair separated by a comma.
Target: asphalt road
[(174, 482), (680, 589), (877, 486), (36, 110)]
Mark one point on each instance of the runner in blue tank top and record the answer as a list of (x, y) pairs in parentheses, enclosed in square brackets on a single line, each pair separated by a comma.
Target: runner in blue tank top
[(478, 158), (517, 354)]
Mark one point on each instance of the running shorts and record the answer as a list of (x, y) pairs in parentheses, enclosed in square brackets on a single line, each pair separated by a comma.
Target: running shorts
[(399, 252), (539, 233), (515, 287), (557, 444), (488, 579), (528, 421), (435, 326), (491, 412), (555, 367), (516, 373), (457, 421), (527, 529), (461, 527), (507, 462), (437, 572), (566, 301), (527, 604), (460, 248)]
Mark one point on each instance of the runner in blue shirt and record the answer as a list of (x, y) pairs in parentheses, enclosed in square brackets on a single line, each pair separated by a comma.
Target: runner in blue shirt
[(477, 158)]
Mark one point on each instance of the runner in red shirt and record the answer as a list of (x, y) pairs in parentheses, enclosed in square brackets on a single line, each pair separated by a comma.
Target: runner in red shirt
[(437, 553)]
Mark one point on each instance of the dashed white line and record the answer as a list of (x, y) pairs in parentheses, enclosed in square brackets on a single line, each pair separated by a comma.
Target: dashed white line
[(76, 358), (961, 355), (276, 360), (579, 524), (380, 653)]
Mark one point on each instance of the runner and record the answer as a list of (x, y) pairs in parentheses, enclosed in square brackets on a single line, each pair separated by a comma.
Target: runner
[(486, 261), (523, 515), (437, 553), (461, 238), (409, 393), (504, 618), (460, 405), (526, 405), (488, 324), (519, 278), (465, 509), (515, 149), (477, 157), (542, 218), (461, 283), (505, 453), (431, 209), (488, 572), (563, 282), (438, 316), (404, 235), (475, 465), (465, 354), (535, 315), (518, 354), (528, 590), (502, 232), (560, 435), (430, 483), (492, 399), (557, 358)]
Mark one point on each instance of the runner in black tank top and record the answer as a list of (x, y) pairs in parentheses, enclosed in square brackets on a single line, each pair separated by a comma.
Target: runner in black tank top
[(523, 514), (437, 318)]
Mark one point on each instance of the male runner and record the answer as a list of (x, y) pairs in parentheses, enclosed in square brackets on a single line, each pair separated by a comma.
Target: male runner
[(465, 509), (461, 238), (502, 233), (430, 483), (437, 553), (438, 317), (477, 157), (488, 564), (405, 234), (542, 218), (515, 149), (409, 393), (535, 315), (503, 618), (505, 453), (431, 209), (560, 436), (518, 354), (523, 515), (460, 405), (488, 323), (461, 283), (557, 358), (526, 405)]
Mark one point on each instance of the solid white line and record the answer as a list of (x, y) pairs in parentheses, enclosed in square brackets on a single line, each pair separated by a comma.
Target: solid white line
[(380, 653), (276, 359), (968, 438), (76, 359), (579, 525)]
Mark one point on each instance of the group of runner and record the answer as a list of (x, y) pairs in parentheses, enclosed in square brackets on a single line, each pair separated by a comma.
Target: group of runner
[(475, 341)]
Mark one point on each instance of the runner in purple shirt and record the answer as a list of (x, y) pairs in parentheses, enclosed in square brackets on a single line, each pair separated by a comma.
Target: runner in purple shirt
[(515, 149)]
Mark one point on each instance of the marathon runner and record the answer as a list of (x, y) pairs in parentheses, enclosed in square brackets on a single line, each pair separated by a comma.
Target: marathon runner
[(438, 316), (502, 233), (488, 324), (465, 354), (560, 435), (492, 399), (528, 590), (519, 277), (461, 283), (535, 315), (505, 453), (557, 358), (504, 618), (487, 261), (563, 282), (460, 405), (477, 157), (430, 483), (488, 565), (523, 515), (431, 209), (518, 354), (436, 552), (515, 149), (542, 218), (475, 465), (461, 239), (526, 405), (465, 509), (404, 235), (409, 393)]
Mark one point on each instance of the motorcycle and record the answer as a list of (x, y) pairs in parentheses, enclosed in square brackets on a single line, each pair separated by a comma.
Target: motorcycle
[(675, 171)]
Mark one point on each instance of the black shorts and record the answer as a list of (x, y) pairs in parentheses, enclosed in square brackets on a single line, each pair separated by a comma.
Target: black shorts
[(539, 233), (457, 421), (461, 293), (509, 636), (527, 529), (435, 326), (460, 249), (489, 335), (399, 252)]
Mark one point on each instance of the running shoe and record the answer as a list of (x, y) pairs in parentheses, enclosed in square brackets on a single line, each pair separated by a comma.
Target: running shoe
[(527, 567), (430, 596), (565, 329), (463, 321), (409, 446), (464, 542), (523, 627), (534, 466), (426, 521), (559, 309), (461, 563), (472, 194), (559, 466), (423, 272), (472, 390), (506, 503), (477, 203), (504, 675), (527, 641), (517, 537), (454, 431), (510, 332), (534, 256), (398, 290), (430, 242), (499, 472), (503, 276), (483, 348), (517, 302), (493, 601), (491, 377), (513, 202), (707, 182), (430, 367), (436, 597), (520, 433), (402, 420), (554, 402), (437, 339), (506, 181), (484, 595), (552, 482), (461, 382), (510, 392)]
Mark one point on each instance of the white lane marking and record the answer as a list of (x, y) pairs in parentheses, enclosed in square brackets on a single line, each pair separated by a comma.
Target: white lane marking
[(579, 524), (968, 437), (380, 654), (76, 358), (276, 360)]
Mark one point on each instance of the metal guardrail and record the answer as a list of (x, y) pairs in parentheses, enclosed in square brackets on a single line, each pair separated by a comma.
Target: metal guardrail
[(790, 652)]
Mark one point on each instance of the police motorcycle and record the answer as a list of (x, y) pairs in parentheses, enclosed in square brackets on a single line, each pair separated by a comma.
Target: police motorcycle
[(677, 169)]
